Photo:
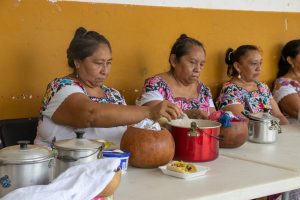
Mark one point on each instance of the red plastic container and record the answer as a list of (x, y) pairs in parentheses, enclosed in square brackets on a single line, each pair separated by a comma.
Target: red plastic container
[(195, 140)]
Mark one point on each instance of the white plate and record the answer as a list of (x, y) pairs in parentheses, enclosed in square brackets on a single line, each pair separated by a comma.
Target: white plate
[(200, 172)]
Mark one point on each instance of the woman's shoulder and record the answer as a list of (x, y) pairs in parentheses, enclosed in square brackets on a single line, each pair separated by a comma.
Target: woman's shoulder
[(229, 85), (203, 87), (262, 86), (286, 81), (155, 79), (156, 82), (64, 82)]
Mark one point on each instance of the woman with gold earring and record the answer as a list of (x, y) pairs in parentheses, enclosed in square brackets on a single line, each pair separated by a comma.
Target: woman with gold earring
[(287, 85), (243, 92), (82, 100)]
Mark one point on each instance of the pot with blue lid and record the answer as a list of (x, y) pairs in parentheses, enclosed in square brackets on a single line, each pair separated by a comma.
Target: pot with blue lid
[(76, 151), (24, 165)]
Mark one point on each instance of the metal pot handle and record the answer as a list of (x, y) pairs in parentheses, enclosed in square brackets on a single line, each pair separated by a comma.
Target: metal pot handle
[(193, 131), (71, 159), (275, 125), (216, 137)]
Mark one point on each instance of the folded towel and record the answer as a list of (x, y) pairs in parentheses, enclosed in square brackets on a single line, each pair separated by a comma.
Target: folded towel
[(84, 181)]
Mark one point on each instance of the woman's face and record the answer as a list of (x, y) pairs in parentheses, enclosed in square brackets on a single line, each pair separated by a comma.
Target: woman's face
[(94, 69), (189, 66), (249, 65)]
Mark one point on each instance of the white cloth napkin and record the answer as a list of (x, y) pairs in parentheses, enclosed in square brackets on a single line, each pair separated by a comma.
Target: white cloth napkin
[(84, 181), (148, 124)]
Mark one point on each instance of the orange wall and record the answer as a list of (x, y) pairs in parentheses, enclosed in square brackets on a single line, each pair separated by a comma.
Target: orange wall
[(35, 35)]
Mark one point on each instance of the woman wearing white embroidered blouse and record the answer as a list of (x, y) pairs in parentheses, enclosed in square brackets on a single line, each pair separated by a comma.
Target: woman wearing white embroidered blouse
[(287, 85), (180, 85), (81, 100)]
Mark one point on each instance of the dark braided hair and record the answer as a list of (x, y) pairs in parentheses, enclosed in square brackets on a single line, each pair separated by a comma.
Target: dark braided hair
[(182, 47), (232, 56), (84, 44), (291, 49)]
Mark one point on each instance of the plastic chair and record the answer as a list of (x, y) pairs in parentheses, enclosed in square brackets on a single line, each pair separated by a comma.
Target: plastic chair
[(14, 130)]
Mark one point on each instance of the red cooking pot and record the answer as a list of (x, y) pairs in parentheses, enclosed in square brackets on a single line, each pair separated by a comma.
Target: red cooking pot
[(196, 140)]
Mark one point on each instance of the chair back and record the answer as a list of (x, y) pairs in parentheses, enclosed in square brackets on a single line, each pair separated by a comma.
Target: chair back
[(14, 130)]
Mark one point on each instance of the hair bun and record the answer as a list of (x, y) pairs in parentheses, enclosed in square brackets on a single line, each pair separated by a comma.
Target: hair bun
[(80, 31), (183, 36)]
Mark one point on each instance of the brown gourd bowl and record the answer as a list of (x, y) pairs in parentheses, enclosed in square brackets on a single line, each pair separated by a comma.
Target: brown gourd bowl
[(234, 136), (112, 186), (148, 148)]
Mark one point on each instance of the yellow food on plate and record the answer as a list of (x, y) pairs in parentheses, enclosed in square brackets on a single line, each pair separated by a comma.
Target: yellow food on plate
[(182, 167)]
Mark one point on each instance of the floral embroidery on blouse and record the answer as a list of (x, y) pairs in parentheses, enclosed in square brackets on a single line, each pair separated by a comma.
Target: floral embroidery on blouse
[(111, 95), (282, 81), (201, 102), (253, 101)]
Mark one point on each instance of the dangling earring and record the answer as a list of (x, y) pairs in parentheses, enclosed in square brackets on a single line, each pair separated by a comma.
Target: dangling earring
[(239, 76), (292, 65), (77, 76)]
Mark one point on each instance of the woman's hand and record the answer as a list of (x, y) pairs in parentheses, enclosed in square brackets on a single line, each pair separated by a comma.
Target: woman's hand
[(164, 109), (277, 113)]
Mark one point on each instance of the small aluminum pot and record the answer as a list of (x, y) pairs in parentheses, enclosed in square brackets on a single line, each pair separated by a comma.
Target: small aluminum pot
[(24, 165), (195, 140), (75, 151), (263, 128)]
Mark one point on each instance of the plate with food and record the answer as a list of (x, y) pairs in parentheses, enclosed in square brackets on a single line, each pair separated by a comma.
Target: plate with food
[(183, 170)]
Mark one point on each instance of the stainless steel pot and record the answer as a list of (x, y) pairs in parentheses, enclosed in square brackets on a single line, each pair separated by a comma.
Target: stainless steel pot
[(263, 128), (24, 165), (75, 151)]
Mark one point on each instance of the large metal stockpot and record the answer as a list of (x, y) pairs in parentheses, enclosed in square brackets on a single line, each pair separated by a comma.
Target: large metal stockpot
[(24, 165), (195, 140), (76, 151), (263, 128)]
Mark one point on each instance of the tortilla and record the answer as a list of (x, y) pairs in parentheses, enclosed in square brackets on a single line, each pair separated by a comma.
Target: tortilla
[(182, 167)]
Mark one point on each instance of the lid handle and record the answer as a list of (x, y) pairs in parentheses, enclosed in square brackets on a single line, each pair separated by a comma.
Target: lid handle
[(79, 133), (23, 144)]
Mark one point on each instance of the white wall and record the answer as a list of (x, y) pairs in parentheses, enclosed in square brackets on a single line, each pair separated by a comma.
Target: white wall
[(255, 5)]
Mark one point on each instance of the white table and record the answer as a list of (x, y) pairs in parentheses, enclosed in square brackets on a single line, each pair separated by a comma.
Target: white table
[(228, 179), (284, 153)]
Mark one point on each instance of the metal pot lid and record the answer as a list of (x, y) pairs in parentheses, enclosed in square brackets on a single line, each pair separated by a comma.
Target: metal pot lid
[(263, 116), (78, 143), (24, 152)]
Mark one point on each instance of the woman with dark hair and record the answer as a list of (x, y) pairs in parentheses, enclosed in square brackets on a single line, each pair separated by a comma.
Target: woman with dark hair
[(81, 100), (287, 85), (180, 85), (243, 92)]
